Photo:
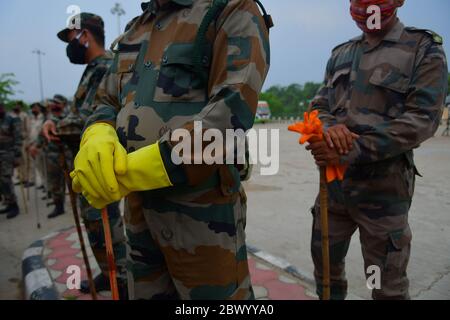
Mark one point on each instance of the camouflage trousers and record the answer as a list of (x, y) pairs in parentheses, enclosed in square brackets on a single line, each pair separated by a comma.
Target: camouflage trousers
[(6, 174), (375, 199), (92, 220), (181, 248), (55, 177)]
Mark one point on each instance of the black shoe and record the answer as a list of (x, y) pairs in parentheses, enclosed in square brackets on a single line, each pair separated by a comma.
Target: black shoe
[(59, 210), (101, 283), (29, 184), (13, 212), (51, 203), (8, 208), (123, 290), (18, 183), (41, 187)]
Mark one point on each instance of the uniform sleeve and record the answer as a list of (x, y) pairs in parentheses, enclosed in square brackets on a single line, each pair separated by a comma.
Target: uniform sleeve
[(87, 108), (241, 58), (420, 120), (320, 101), (106, 104)]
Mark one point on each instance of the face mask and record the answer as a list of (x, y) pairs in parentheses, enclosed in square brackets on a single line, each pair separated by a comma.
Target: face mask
[(358, 11), (76, 52), (56, 109), (36, 113)]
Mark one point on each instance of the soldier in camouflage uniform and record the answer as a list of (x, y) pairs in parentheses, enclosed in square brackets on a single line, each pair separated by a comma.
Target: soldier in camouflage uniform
[(86, 46), (181, 61), (52, 152), (10, 155), (387, 87)]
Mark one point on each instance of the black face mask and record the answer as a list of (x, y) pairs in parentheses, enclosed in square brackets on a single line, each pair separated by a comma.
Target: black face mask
[(76, 52), (36, 113), (57, 109)]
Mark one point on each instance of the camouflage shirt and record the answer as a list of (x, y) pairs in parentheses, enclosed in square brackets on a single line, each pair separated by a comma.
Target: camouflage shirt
[(154, 85), (81, 107), (11, 134), (391, 94)]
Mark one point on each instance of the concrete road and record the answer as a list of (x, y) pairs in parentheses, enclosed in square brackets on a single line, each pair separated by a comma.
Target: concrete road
[(17, 234), (279, 220)]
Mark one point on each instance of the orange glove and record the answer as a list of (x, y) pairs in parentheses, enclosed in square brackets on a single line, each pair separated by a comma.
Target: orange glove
[(311, 130)]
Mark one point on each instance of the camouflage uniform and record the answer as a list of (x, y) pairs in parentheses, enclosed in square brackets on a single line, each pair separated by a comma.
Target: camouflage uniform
[(55, 173), (187, 241), (73, 124), (392, 95), (10, 150)]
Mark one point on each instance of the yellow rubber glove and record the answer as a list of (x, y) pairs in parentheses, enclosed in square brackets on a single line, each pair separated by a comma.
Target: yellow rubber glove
[(145, 171), (100, 160)]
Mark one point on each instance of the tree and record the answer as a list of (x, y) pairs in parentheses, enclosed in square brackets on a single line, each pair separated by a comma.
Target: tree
[(7, 84), (290, 101)]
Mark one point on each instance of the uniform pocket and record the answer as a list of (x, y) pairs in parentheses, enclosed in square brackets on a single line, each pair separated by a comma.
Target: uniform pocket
[(178, 79), (391, 88), (398, 250), (338, 87)]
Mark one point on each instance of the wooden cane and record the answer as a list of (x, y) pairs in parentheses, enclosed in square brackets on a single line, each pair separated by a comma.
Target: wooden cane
[(325, 238), (22, 191), (110, 256), (73, 202)]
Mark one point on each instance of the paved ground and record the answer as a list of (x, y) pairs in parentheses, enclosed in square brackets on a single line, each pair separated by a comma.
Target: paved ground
[(279, 222), (63, 250)]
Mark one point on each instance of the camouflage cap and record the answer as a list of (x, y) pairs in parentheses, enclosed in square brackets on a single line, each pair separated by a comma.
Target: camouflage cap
[(59, 99), (84, 20)]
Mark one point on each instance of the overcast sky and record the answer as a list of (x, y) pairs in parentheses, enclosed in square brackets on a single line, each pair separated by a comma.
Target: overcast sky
[(305, 33)]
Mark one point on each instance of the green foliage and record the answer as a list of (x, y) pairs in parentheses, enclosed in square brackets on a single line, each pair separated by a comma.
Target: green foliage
[(290, 101), (7, 91), (7, 84)]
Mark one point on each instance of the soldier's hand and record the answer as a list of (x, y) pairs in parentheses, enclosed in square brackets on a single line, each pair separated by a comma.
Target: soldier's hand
[(100, 159), (341, 138), (323, 154), (33, 151), (49, 131)]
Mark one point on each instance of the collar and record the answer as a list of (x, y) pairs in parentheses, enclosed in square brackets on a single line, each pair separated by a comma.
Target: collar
[(150, 4), (393, 35), (100, 59)]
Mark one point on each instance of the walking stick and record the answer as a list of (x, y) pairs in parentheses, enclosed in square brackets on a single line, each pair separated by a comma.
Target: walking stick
[(110, 256), (73, 202), (323, 196), (22, 191), (36, 200), (311, 130)]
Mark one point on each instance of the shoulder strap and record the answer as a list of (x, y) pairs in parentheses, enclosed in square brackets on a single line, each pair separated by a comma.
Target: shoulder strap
[(213, 14), (436, 37)]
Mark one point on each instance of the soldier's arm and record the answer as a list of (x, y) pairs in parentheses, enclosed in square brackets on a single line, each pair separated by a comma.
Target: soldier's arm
[(87, 109), (421, 118), (241, 57), (106, 103), (320, 101)]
